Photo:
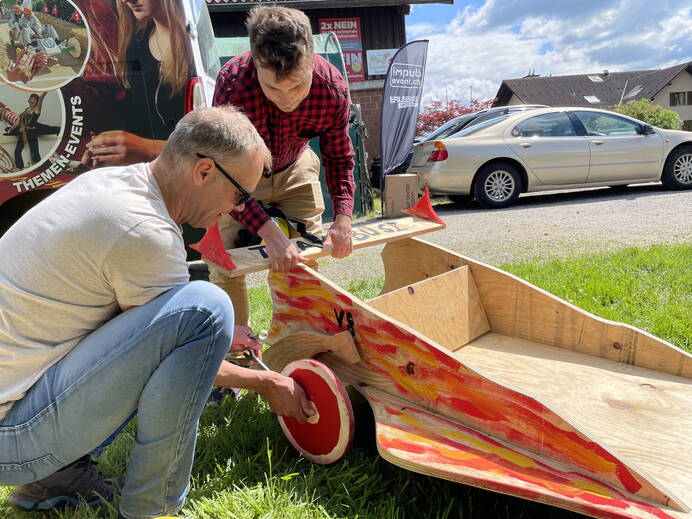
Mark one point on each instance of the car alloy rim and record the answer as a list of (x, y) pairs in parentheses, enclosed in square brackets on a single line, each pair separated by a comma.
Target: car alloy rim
[(499, 185), (682, 170)]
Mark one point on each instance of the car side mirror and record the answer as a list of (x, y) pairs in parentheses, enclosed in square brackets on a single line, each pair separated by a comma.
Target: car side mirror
[(647, 129)]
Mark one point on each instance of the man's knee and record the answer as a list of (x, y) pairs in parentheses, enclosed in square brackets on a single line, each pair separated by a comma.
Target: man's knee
[(203, 294)]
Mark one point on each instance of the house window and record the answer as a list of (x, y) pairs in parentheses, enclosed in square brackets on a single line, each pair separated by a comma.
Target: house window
[(592, 99), (677, 98)]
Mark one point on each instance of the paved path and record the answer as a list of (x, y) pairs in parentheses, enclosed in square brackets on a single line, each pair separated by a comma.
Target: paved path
[(553, 225)]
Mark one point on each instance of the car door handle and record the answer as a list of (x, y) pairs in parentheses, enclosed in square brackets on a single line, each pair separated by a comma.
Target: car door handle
[(525, 144), (597, 143)]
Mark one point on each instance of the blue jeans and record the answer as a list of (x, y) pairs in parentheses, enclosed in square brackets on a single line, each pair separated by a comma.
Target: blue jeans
[(159, 359)]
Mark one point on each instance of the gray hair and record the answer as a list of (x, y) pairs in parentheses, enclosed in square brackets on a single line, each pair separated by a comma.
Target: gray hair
[(222, 133)]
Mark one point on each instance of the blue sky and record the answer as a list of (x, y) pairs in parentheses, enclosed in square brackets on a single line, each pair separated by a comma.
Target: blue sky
[(475, 44)]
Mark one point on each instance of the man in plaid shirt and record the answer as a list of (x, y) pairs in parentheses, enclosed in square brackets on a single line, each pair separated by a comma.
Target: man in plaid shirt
[(291, 95)]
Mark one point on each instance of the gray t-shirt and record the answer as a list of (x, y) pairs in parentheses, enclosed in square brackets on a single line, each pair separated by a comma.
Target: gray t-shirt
[(104, 239)]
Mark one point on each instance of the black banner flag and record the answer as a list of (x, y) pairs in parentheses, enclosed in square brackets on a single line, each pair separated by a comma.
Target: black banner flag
[(400, 104)]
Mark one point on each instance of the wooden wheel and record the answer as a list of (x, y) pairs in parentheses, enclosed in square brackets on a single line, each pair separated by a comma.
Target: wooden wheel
[(327, 439)]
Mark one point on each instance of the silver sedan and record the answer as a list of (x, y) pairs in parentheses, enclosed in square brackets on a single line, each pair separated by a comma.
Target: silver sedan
[(548, 149)]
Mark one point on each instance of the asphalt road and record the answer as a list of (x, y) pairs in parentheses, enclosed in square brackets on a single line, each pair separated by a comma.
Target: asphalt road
[(544, 226)]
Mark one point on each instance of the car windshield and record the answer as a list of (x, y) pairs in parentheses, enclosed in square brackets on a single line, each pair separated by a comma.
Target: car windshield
[(473, 128)]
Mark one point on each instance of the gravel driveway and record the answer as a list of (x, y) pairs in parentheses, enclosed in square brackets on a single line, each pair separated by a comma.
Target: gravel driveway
[(544, 226)]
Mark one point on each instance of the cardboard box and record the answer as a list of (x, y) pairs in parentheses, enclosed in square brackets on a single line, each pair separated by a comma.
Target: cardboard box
[(400, 192)]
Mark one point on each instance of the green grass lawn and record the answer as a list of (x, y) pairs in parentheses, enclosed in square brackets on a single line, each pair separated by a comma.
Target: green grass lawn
[(245, 468)]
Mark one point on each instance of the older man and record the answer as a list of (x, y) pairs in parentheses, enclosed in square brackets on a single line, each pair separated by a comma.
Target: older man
[(98, 320), (32, 29), (291, 95)]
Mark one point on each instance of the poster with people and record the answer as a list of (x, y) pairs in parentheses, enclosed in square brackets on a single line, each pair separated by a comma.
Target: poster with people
[(90, 83)]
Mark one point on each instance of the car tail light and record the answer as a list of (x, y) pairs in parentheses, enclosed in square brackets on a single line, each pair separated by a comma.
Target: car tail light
[(439, 153), (194, 95)]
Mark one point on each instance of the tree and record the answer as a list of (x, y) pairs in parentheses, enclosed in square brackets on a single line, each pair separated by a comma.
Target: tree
[(437, 113), (655, 115)]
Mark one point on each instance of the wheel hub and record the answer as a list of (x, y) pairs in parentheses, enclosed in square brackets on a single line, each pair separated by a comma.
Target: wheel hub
[(682, 170), (499, 186)]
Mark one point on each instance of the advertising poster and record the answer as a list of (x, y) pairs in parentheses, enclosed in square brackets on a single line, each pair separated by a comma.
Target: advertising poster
[(73, 99), (400, 103), (378, 61), (347, 31)]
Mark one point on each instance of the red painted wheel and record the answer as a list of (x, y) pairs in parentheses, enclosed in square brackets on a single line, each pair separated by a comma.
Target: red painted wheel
[(327, 439)]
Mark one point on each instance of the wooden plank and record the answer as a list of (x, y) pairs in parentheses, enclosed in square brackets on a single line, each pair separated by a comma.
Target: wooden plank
[(423, 442), (409, 261), (305, 345), (643, 414), (365, 234), (397, 360), (445, 308)]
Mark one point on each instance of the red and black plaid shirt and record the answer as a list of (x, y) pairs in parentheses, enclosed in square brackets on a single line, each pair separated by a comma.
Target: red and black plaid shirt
[(324, 113)]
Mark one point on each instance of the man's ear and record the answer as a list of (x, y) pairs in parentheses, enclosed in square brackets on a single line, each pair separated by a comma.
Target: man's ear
[(201, 172)]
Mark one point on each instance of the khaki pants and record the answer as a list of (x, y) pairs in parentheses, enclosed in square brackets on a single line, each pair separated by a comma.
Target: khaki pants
[(298, 193)]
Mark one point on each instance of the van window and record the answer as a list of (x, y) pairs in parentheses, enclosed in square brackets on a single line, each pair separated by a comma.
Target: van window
[(207, 45)]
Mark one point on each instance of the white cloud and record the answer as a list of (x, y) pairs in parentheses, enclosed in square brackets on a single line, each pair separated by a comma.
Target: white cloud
[(504, 39), (416, 30)]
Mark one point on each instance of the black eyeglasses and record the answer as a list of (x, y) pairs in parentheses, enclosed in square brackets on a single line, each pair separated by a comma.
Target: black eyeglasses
[(244, 195)]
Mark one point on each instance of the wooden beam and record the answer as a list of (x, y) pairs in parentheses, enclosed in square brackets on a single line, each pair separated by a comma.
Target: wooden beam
[(365, 234)]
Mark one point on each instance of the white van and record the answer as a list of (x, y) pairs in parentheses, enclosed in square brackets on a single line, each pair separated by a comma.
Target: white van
[(94, 84)]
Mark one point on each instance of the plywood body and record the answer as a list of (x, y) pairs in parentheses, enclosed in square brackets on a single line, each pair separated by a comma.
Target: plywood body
[(421, 441), (304, 345), (644, 415), (466, 382), (518, 309), (445, 308)]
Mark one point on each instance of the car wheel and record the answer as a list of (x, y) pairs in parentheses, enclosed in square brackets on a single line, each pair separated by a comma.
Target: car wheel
[(677, 173), (497, 185), (461, 200)]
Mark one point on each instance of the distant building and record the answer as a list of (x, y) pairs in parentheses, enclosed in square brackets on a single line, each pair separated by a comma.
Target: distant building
[(368, 25), (670, 87)]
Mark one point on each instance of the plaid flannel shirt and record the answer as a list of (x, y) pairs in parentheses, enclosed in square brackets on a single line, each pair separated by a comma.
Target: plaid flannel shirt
[(324, 113)]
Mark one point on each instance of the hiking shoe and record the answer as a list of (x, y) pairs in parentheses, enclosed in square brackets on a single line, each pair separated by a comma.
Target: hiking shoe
[(78, 482), (219, 394)]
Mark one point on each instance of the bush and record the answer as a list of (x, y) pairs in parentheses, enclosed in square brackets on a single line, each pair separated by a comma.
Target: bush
[(655, 115), (437, 113)]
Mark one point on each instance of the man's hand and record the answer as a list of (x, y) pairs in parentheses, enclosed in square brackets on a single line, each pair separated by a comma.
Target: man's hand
[(339, 237), (25, 66), (244, 337), (287, 398), (283, 255), (121, 148)]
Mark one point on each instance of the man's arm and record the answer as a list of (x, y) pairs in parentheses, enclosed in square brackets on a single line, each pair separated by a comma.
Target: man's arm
[(337, 157), (285, 396)]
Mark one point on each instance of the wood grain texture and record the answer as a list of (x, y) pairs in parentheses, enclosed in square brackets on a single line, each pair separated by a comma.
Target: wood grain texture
[(424, 442), (445, 308), (399, 361), (409, 261), (305, 345), (365, 234), (643, 414), (517, 308)]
